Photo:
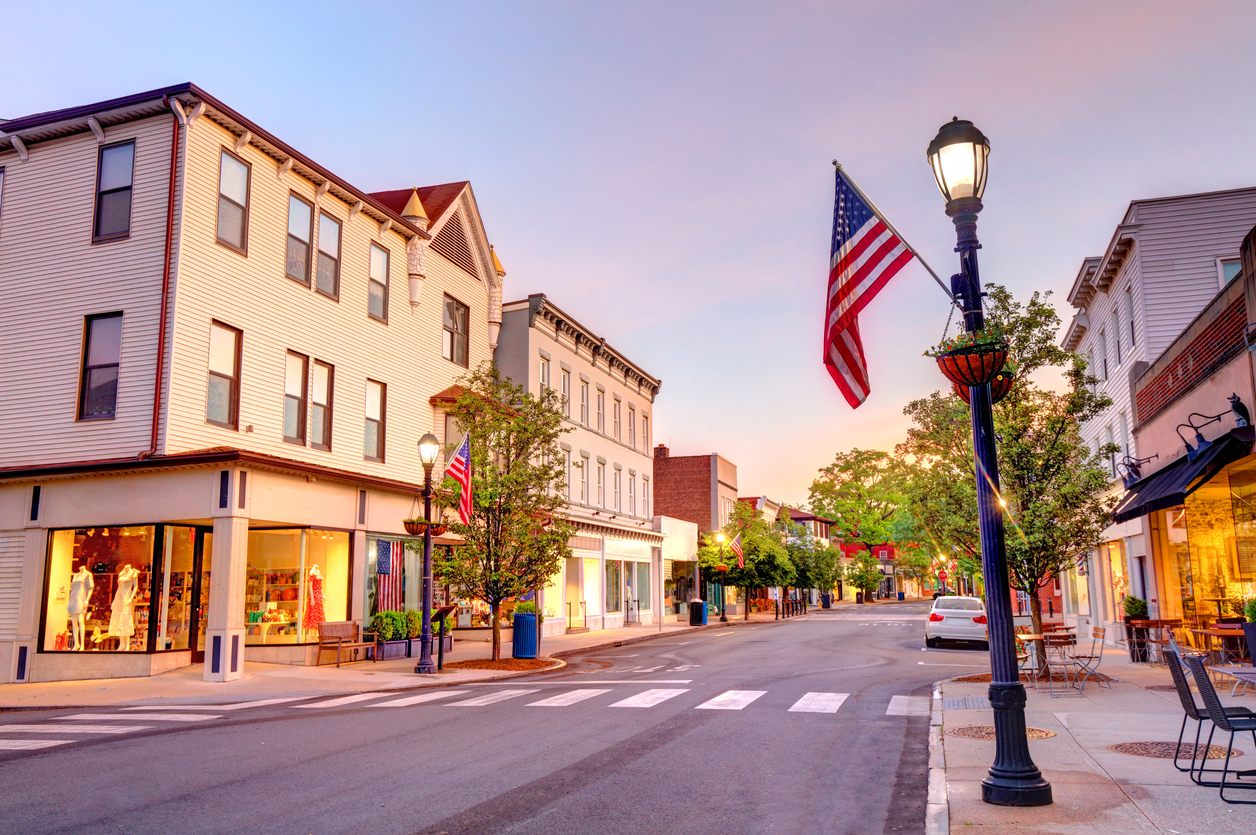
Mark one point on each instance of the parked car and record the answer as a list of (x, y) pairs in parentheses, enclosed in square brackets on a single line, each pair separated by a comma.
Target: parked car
[(955, 618)]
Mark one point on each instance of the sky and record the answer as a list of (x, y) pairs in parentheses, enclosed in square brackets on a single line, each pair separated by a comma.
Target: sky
[(662, 170)]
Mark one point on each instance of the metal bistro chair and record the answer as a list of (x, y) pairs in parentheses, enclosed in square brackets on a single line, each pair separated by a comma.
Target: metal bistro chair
[(1159, 638), (1088, 665), (1059, 644), (1220, 719), (1191, 711)]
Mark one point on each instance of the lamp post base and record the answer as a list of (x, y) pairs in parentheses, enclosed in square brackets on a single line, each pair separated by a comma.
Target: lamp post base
[(1005, 792), (428, 669)]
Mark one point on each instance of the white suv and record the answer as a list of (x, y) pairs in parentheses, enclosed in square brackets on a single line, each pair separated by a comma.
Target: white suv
[(957, 619)]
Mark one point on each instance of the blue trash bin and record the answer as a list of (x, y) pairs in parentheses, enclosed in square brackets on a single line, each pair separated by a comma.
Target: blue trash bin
[(902, 596), (524, 645)]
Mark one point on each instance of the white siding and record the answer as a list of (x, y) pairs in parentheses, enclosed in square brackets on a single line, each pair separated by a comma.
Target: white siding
[(12, 547)]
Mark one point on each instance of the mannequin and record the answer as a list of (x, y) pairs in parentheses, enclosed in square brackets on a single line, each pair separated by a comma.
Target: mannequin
[(81, 586), (122, 618), (314, 601)]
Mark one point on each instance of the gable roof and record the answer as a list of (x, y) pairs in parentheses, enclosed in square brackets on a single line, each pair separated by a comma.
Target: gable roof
[(436, 199)]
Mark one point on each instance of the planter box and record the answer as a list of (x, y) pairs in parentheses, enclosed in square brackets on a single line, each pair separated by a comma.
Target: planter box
[(1136, 638), (385, 650)]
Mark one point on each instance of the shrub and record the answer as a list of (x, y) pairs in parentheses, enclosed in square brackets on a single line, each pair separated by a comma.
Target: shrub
[(389, 626), (414, 622), (1135, 607), (1249, 611), (527, 607)]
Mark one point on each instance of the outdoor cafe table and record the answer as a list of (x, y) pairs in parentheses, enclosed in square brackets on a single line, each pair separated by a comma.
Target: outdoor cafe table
[(1036, 638), (1209, 634)]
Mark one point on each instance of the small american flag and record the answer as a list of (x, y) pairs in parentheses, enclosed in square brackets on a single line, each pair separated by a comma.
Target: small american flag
[(389, 576), (866, 253), (459, 468), (735, 547)]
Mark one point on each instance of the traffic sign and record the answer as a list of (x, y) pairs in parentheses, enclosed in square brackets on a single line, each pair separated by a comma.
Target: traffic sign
[(942, 575)]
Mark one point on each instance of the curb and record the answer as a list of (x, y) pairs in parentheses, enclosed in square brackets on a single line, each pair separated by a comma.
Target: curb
[(937, 807)]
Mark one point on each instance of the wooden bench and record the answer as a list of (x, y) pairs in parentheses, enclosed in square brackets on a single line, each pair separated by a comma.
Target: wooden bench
[(342, 635)]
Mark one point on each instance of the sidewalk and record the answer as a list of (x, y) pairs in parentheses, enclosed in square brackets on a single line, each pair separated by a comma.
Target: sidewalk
[(268, 681), (1095, 788)]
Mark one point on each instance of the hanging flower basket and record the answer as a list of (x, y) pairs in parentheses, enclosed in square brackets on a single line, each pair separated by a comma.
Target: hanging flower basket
[(721, 568), (974, 365), (414, 527), (999, 387), (439, 529)]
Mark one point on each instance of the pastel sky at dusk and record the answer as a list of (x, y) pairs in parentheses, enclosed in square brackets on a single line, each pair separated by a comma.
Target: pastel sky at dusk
[(661, 170)]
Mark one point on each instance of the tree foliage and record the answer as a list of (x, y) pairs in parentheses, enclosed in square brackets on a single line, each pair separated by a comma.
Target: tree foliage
[(860, 491), (767, 559), (517, 536)]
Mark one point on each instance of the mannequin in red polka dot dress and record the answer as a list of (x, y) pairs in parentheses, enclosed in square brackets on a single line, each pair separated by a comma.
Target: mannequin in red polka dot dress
[(314, 601)]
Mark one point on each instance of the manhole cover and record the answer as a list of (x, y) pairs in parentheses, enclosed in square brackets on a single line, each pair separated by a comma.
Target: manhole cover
[(1165, 750), (987, 732), (1167, 688)]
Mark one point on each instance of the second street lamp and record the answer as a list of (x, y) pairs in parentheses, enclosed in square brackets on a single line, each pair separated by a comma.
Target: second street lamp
[(723, 569), (429, 447), (958, 158)]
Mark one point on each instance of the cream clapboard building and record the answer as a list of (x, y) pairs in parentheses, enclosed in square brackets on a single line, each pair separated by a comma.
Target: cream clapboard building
[(219, 359)]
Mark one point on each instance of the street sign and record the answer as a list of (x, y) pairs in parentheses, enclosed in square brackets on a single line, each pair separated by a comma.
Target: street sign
[(942, 575)]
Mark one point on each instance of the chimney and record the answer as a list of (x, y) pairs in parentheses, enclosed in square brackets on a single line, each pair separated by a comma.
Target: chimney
[(660, 452)]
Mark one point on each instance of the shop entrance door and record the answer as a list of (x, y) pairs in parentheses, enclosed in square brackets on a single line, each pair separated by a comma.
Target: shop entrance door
[(200, 591), (184, 589)]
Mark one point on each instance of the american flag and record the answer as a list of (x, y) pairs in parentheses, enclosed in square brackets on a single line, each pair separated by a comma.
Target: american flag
[(389, 576), (735, 547), (866, 253), (459, 468)]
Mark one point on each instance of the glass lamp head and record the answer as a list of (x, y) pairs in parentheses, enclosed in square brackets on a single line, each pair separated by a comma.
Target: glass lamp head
[(958, 158), (429, 448), (719, 537)]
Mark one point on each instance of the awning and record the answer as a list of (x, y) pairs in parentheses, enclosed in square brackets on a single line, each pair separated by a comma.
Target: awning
[(1170, 486)]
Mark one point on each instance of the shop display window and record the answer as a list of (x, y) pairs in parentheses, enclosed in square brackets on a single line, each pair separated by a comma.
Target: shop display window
[(643, 585), (98, 590), (1222, 570), (614, 598), (1112, 555), (184, 595), (295, 580), (1078, 581)]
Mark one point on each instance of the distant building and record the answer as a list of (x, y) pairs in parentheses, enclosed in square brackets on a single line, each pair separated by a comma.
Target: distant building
[(697, 488)]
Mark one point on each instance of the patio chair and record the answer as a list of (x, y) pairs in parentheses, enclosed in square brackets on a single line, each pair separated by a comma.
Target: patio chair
[(1158, 638), (1220, 719), (1191, 711), (1088, 665), (1059, 644)]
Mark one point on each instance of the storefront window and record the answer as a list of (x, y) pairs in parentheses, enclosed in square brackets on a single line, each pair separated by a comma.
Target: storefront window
[(184, 594), (1177, 595), (613, 599), (592, 594), (1221, 568), (386, 577), (98, 593), (295, 580), (643, 585), (1078, 581), (1113, 556)]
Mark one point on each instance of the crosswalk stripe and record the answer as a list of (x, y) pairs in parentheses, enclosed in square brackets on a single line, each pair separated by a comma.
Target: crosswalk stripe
[(343, 700), (565, 699), (30, 744), (731, 700), (146, 717), (908, 706), (649, 698), (235, 706), (491, 698), (72, 729), (819, 703), (420, 698)]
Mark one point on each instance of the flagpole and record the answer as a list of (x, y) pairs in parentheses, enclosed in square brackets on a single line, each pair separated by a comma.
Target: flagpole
[(841, 172)]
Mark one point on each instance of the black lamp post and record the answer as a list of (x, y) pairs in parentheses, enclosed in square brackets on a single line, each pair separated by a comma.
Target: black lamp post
[(719, 537), (958, 157), (429, 447)]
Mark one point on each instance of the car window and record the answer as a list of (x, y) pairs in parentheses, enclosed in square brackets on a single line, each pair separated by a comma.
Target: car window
[(965, 603)]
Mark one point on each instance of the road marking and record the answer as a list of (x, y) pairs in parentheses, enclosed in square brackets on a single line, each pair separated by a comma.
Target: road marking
[(731, 700), (30, 744), (236, 706), (819, 703), (974, 666), (725, 635), (343, 700), (491, 698), (420, 698), (72, 729), (637, 681), (149, 717), (649, 698), (908, 706), (565, 699)]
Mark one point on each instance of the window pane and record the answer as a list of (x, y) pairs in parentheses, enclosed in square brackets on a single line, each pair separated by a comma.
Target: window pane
[(113, 216), (230, 222), (105, 341), (218, 405), (327, 274), (233, 179), (298, 260), (451, 314), (116, 167), (291, 417), (371, 448), (222, 350), (101, 395), (376, 305), (321, 383), (328, 236), (460, 349), (447, 349), (299, 213), (374, 400), (294, 375), (379, 264), (318, 425)]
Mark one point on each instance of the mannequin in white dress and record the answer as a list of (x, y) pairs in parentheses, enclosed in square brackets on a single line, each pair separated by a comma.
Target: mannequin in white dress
[(121, 617), (81, 586)]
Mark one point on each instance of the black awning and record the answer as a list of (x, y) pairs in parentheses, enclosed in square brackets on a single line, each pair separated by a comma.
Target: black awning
[(1170, 486)]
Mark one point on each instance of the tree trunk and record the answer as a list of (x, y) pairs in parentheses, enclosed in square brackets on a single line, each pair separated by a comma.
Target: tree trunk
[(493, 608), (1035, 621)]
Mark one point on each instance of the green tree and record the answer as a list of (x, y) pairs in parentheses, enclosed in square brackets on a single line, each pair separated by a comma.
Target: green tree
[(517, 536), (763, 547), (864, 573), (861, 491)]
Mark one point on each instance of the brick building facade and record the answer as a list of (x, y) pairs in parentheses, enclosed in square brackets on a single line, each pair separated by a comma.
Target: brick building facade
[(697, 488)]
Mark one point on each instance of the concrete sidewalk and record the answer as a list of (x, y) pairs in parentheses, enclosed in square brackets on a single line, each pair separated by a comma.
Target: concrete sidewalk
[(1095, 788)]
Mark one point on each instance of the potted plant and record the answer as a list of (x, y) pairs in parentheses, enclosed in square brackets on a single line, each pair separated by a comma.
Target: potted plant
[(972, 359), (414, 527), (1136, 637), (391, 635), (1249, 628)]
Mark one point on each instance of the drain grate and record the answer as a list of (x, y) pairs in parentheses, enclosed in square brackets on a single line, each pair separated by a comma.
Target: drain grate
[(1165, 750), (1167, 688), (987, 732), (966, 703)]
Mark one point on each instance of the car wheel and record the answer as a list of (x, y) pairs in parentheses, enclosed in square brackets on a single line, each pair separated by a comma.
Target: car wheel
[(931, 643)]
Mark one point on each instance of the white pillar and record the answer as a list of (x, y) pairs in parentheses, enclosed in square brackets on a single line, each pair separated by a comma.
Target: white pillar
[(224, 635)]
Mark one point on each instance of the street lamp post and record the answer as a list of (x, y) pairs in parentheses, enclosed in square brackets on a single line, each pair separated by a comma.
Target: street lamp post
[(719, 537), (428, 449), (958, 157)]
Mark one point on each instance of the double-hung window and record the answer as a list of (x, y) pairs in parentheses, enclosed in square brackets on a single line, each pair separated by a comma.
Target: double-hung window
[(645, 497), (376, 394), (1116, 335), (296, 375), (1103, 355), (115, 170), (584, 403), (544, 374), (632, 427), (1129, 313), (454, 347), (300, 233), (615, 417), (601, 411), (584, 479), (328, 280), (645, 432), (566, 392), (102, 353), (377, 306), (320, 405), (222, 404), (601, 484), (632, 495), (567, 465), (617, 474), (233, 202)]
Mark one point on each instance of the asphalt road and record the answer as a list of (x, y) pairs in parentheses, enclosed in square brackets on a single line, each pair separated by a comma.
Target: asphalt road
[(712, 732)]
